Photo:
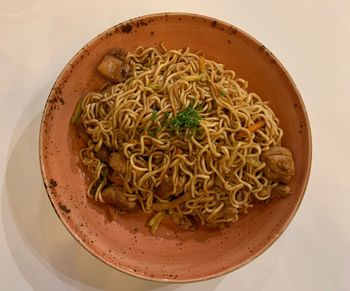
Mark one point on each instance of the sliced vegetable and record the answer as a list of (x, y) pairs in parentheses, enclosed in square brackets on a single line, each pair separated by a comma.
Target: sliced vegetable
[(154, 115), (193, 78), (81, 130), (104, 172), (154, 86), (200, 106), (155, 221), (256, 126), (77, 112), (201, 63)]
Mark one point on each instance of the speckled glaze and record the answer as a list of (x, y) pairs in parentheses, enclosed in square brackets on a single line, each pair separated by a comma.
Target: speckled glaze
[(172, 255)]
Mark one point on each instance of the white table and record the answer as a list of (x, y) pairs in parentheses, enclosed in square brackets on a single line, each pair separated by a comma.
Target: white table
[(38, 37)]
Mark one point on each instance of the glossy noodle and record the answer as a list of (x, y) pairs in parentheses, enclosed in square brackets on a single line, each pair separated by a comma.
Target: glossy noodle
[(181, 137)]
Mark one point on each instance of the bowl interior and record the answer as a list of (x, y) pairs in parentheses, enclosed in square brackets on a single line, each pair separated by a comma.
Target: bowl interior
[(171, 254)]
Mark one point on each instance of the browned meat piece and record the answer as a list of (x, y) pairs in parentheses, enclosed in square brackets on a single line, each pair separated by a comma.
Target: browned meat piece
[(165, 189), (115, 195), (119, 53), (230, 212), (227, 212), (279, 164), (117, 162), (281, 191), (126, 71), (115, 179), (113, 66), (184, 222), (102, 154)]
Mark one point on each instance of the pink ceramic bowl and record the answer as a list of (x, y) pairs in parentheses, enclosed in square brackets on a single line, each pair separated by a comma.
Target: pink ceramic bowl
[(171, 255)]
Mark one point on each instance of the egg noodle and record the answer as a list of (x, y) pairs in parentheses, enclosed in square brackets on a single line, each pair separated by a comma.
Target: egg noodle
[(185, 122)]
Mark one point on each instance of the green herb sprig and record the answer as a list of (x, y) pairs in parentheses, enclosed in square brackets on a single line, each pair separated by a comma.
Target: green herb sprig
[(154, 115), (188, 118)]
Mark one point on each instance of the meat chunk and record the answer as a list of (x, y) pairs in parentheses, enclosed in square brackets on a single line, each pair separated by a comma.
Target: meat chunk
[(185, 221), (113, 66), (115, 179), (165, 189), (117, 162), (227, 212), (102, 154), (281, 191), (115, 195), (279, 164)]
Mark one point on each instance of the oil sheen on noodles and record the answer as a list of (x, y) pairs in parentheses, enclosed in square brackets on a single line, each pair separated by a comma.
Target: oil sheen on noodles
[(212, 169)]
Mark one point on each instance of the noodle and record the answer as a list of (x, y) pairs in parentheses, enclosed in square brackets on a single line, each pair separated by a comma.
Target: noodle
[(184, 123)]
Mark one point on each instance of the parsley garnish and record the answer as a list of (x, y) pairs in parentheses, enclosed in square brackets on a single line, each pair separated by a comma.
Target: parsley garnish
[(186, 119), (200, 106), (154, 132), (164, 122), (154, 115), (166, 114)]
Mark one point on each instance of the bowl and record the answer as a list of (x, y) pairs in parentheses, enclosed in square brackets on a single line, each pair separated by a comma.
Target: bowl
[(126, 244)]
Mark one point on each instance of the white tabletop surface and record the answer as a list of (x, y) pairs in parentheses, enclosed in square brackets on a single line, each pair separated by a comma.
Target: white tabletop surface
[(38, 37)]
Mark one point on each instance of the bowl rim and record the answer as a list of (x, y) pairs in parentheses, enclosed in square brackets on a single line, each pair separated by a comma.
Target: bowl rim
[(226, 271)]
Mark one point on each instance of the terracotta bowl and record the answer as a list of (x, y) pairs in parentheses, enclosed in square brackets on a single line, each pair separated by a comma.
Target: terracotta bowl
[(171, 255)]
